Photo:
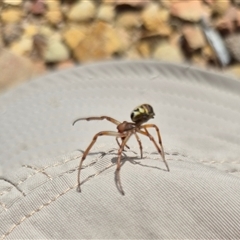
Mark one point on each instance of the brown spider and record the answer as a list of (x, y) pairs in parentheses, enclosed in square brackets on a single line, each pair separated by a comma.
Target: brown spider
[(139, 115)]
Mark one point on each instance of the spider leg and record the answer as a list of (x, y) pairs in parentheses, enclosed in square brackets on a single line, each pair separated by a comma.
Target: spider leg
[(119, 143), (139, 143), (98, 118), (117, 172), (106, 133), (146, 133), (157, 130)]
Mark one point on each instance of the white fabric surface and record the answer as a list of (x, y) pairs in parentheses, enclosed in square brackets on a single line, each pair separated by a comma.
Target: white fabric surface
[(199, 119)]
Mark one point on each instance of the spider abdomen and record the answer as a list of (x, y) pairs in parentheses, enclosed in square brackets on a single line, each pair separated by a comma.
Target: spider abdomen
[(142, 113)]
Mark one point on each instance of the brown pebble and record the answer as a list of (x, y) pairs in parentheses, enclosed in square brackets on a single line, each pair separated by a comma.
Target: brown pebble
[(102, 42), (194, 36), (38, 7), (188, 10), (11, 15)]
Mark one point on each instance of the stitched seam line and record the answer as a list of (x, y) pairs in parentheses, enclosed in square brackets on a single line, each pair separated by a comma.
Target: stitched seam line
[(34, 211), (41, 170), (74, 158), (4, 206), (52, 200)]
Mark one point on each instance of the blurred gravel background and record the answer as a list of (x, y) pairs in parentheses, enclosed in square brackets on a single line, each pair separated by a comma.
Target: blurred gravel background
[(38, 36)]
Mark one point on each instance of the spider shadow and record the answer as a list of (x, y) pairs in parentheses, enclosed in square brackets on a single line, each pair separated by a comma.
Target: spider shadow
[(133, 161), (124, 159), (93, 153)]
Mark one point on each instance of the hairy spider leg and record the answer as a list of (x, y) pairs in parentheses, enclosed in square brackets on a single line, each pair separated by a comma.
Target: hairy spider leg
[(98, 118), (158, 133), (110, 119), (159, 139), (102, 133), (139, 143), (120, 144), (160, 150), (117, 172)]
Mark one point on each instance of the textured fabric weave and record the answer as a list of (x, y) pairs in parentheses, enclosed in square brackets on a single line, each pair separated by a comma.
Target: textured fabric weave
[(199, 118)]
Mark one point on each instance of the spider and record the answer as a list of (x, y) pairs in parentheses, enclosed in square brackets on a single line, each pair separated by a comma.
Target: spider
[(139, 115)]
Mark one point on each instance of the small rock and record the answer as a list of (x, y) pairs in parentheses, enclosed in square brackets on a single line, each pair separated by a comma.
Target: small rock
[(175, 38), (74, 35), (102, 42), (66, 7), (53, 5), (11, 15), (11, 32), (150, 16), (54, 17), (166, 3), (65, 64), (165, 31), (23, 70), (233, 45), (106, 12), (56, 51), (133, 54), (220, 7), (39, 46), (188, 10), (168, 52), (38, 7), (227, 21), (45, 30), (128, 37), (194, 36), (27, 6), (82, 11), (30, 30), (155, 20), (197, 59), (234, 70), (129, 19), (209, 54), (144, 49), (13, 2), (22, 47)]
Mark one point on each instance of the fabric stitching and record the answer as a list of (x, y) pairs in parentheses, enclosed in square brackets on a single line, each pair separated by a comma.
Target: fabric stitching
[(52, 200), (74, 158), (34, 211), (51, 165), (46, 167), (54, 165), (69, 188), (12, 184), (37, 171), (4, 206)]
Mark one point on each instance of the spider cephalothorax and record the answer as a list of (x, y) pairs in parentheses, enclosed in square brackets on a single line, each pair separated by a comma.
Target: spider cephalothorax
[(139, 115)]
